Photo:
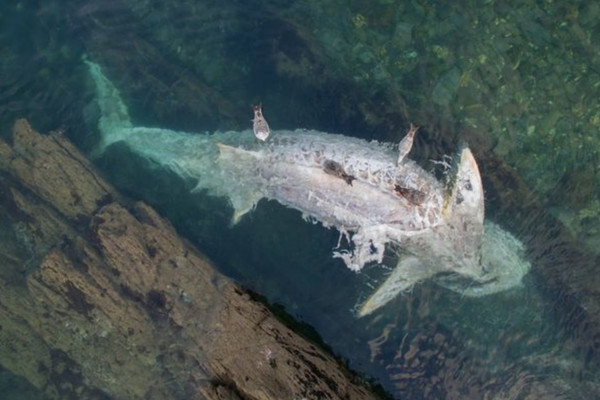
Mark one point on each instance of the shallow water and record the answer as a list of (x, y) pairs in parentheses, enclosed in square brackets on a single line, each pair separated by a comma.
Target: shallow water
[(463, 73)]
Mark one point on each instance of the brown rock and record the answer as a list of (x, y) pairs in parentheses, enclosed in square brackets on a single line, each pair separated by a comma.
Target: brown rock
[(101, 299)]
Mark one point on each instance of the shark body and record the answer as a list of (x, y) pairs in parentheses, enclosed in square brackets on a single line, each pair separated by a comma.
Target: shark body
[(371, 192)]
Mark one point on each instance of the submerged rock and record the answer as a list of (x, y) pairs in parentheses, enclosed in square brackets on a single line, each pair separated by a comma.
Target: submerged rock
[(116, 305)]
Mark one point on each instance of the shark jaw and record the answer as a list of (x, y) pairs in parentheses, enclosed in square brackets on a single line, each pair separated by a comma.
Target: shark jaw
[(370, 192)]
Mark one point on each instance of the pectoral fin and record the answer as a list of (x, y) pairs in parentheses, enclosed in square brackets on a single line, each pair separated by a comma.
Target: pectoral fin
[(238, 214), (244, 191), (243, 203), (409, 271)]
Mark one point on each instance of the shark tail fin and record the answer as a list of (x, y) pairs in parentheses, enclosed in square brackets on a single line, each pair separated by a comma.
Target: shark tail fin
[(114, 120)]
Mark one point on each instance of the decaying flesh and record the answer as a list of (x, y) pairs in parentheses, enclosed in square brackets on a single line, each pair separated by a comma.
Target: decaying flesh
[(372, 193)]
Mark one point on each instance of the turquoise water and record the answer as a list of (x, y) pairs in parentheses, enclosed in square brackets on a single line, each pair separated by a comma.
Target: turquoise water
[(519, 84)]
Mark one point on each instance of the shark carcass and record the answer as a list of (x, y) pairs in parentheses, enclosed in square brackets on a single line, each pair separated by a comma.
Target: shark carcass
[(371, 192)]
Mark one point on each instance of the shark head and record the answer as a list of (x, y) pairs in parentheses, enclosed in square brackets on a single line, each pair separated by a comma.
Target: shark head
[(464, 200), (461, 253), (457, 241), (491, 258)]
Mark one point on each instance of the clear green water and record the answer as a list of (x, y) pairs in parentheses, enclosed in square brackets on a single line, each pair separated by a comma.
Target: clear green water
[(519, 83)]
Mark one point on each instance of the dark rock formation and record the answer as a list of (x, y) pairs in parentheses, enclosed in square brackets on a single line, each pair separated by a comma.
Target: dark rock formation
[(101, 299)]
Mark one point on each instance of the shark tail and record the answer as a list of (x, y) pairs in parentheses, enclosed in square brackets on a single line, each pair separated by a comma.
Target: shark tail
[(114, 121)]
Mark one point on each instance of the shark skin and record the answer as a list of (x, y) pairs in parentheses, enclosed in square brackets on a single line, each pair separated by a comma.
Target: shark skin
[(376, 197)]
